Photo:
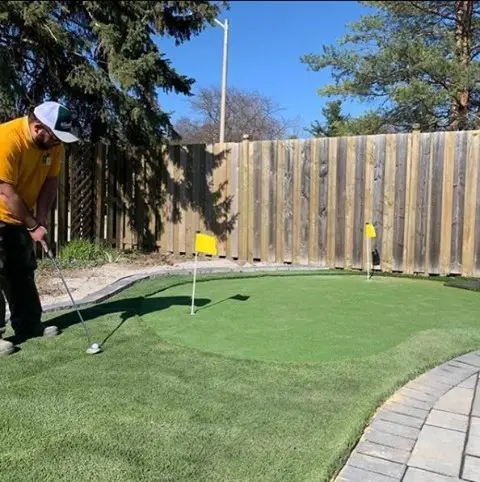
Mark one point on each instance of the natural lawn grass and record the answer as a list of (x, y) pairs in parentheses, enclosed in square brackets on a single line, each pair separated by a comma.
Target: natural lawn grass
[(148, 409)]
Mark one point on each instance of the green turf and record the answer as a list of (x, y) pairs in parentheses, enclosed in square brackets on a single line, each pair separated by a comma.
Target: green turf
[(314, 318), (150, 410)]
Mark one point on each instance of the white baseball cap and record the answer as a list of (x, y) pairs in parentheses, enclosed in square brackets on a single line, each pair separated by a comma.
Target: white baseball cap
[(57, 118)]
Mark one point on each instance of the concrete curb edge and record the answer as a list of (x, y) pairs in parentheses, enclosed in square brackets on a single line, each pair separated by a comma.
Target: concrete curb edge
[(124, 283)]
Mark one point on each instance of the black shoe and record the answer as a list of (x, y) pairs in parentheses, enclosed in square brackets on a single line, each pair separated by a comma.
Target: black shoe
[(37, 331)]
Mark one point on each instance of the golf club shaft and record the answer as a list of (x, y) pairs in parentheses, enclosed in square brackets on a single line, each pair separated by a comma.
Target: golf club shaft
[(50, 255)]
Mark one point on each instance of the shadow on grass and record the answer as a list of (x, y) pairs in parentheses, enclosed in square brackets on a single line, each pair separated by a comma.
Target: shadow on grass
[(211, 305), (127, 307), (130, 307)]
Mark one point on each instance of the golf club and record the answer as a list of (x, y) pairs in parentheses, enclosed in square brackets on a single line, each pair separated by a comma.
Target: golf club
[(93, 348)]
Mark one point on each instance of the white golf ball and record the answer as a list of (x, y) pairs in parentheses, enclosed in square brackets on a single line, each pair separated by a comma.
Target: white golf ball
[(95, 346)]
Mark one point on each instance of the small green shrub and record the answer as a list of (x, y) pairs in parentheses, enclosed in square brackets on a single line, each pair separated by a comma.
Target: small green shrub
[(80, 252)]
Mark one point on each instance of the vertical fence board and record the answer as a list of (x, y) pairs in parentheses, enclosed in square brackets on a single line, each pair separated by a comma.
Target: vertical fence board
[(197, 157), (378, 191), (158, 165), (139, 203), (458, 201), (111, 195), (332, 198), (256, 158), (476, 155), (168, 205), (313, 239), (400, 192), (297, 187), (388, 203), (128, 240), (369, 190), (175, 207), (251, 201), (266, 201), (281, 205), (209, 189), (120, 199), (436, 221), (411, 200), (234, 193), (468, 245), (224, 211), (350, 201), (243, 201), (99, 186), (447, 203), (192, 220), (219, 177), (288, 194), (272, 228), (422, 202), (179, 201), (359, 200), (172, 194), (227, 199), (322, 161), (186, 236), (305, 199), (340, 202), (427, 237)]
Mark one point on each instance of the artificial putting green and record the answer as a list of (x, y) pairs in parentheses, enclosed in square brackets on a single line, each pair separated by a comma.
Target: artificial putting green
[(306, 319), (148, 409)]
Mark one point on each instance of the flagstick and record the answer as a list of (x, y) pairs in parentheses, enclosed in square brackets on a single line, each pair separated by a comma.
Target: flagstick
[(194, 282), (369, 254)]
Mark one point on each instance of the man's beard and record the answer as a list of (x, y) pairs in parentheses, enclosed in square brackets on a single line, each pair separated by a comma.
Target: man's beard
[(42, 144)]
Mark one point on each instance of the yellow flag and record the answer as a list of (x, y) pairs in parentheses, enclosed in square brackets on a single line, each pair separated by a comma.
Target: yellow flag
[(370, 231), (205, 244)]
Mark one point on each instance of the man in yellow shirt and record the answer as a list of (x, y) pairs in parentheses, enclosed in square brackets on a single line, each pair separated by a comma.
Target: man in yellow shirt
[(31, 150)]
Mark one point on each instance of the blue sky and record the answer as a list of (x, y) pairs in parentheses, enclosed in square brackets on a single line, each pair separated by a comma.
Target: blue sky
[(266, 41)]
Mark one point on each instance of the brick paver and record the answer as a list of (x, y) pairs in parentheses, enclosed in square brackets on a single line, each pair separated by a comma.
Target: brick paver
[(429, 430)]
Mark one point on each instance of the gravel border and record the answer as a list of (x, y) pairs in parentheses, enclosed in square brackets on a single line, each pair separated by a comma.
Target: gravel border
[(128, 281)]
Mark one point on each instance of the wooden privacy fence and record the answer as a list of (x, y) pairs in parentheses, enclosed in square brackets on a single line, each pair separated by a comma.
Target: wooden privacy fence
[(298, 201)]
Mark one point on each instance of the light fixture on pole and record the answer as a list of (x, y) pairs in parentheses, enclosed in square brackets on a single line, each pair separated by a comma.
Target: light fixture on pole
[(224, 78)]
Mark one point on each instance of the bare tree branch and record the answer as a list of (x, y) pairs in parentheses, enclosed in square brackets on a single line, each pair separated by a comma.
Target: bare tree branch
[(247, 112)]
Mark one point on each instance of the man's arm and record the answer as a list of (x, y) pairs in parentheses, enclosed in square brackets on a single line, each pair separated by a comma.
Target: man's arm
[(48, 192), (16, 205), (47, 196)]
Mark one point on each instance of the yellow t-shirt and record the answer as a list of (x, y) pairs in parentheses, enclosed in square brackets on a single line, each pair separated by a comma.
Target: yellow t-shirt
[(24, 165)]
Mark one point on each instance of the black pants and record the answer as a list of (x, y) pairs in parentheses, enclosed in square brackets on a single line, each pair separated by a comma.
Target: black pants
[(17, 279)]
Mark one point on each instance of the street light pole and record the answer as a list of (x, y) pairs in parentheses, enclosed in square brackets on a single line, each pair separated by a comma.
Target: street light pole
[(224, 78)]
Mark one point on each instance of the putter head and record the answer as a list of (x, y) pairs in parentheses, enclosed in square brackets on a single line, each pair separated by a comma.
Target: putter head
[(94, 348)]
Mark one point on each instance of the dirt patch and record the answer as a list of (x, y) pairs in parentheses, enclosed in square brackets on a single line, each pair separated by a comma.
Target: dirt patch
[(84, 281)]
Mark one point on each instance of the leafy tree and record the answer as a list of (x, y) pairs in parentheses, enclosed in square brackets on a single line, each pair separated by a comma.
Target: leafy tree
[(99, 58), (335, 121), (339, 124), (247, 112), (417, 60)]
